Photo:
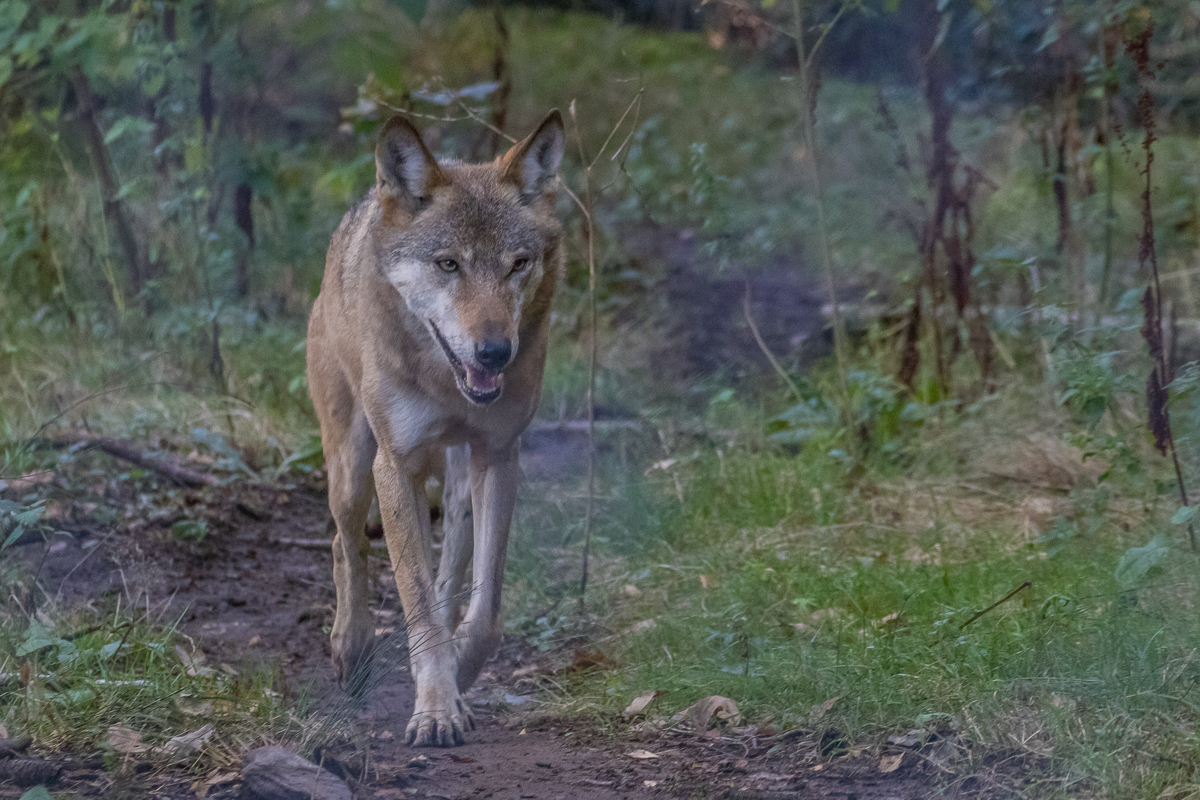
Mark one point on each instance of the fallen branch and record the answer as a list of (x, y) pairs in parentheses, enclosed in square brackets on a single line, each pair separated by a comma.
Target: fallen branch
[(319, 544), (126, 451)]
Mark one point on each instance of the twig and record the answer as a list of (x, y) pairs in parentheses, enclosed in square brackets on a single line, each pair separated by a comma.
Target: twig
[(762, 345), (1000, 602), (808, 96), (591, 390)]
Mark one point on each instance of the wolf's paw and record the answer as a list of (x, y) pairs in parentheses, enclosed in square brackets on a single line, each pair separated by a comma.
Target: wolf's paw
[(441, 726), (351, 661)]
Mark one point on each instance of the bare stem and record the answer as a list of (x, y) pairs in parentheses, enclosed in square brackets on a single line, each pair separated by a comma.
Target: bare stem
[(807, 100)]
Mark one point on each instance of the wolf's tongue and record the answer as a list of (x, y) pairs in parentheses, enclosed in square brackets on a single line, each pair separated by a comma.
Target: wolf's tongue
[(482, 380)]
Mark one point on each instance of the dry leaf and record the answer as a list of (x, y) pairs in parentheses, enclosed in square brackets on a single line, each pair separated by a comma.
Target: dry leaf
[(632, 590), (700, 713), (193, 662), (3, 731), (641, 627), (640, 703), (704, 581), (185, 745), (651, 784), (202, 786), (641, 754), (125, 740), (829, 704), (253, 641), (194, 708), (221, 778), (890, 762), (586, 658)]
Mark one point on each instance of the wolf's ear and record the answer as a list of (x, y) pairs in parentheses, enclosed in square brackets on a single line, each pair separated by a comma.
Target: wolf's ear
[(405, 170), (532, 163)]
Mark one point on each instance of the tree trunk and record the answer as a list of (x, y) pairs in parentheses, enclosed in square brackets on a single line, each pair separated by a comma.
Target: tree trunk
[(114, 209)]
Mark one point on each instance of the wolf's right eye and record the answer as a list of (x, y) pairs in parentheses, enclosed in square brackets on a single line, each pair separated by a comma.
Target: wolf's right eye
[(447, 264)]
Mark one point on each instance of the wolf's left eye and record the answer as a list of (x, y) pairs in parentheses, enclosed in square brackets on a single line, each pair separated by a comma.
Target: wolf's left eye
[(521, 264), (447, 264)]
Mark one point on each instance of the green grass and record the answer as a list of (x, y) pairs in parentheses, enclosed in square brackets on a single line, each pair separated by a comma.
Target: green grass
[(785, 581), (67, 677)]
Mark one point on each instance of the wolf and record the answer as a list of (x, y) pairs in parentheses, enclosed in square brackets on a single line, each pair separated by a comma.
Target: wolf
[(426, 348)]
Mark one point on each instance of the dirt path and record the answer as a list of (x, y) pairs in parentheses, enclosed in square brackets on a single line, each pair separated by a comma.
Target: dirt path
[(245, 598)]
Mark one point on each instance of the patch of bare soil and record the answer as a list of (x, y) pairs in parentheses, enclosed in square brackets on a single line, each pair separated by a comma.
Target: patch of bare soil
[(246, 597)]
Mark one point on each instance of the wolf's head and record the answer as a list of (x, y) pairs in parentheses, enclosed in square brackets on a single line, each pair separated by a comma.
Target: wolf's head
[(467, 245)]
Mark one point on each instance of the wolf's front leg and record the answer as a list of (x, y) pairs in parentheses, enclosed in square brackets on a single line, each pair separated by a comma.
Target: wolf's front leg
[(440, 716), (495, 475)]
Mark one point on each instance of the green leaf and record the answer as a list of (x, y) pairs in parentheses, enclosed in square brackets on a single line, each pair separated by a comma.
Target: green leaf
[(1184, 515), (37, 793), (1137, 562), (6, 69), (30, 516), (12, 537), (125, 125), (1049, 37), (38, 637)]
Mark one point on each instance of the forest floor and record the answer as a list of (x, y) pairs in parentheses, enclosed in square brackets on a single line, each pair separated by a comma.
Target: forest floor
[(246, 596)]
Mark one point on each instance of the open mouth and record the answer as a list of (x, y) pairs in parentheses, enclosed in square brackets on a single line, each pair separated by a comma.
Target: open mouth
[(478, 385)]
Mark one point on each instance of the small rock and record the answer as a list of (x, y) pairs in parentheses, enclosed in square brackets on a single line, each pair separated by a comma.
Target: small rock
[(275, 773), (11, 748)]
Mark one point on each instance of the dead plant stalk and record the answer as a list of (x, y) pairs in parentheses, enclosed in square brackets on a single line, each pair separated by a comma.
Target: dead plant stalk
[(808, 102), (1157, 396), (586, 207)]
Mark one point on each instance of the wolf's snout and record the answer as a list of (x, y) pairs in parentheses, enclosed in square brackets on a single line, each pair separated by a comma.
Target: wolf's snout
[(493, 353)]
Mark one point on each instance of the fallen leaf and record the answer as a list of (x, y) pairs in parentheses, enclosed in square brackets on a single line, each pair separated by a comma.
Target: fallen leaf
[(221, 778), (586, 658), (185, 745), (704, 581), (522, 733), (651, 784), (3, 731), (641, 754), (461, 759), (892, 617), (125, 740), (385, 735), (194, 708), (202, 786), (640, 703), (632, 591), (253, 641), (193, 662), (829, 704), (643, 626), (537, 668), (913, 738), (890, 762), (700, 713)]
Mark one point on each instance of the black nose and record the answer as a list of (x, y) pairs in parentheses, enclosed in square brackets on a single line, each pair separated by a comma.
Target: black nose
[(493, 353)]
